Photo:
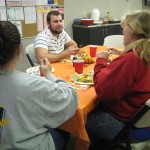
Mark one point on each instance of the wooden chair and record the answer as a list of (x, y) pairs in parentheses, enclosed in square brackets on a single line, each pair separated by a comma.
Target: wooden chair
[(140, 120), (113, 41)]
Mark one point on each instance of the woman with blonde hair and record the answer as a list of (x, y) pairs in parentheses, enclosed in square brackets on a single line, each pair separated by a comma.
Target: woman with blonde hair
[(123, 86)]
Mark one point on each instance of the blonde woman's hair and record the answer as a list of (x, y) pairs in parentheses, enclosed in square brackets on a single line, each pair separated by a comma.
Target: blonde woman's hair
[(139, 22)]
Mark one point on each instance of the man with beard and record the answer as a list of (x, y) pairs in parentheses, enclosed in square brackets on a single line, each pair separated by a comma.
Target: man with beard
[(54, 43)]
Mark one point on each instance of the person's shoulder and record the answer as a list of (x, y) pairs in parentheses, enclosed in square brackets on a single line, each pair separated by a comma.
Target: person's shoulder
[(128, 57), (30, 80), (64, 32), (43, 33), (130, 54)]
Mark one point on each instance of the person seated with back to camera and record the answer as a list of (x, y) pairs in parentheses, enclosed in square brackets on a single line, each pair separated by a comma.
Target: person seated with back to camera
[(54, 43), (123, 86), (35, 106)]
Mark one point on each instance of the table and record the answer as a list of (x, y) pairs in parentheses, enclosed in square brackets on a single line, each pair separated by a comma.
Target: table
[(87, 102)]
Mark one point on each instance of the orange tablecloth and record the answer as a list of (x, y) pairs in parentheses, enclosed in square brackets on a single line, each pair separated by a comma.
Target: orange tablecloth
[(87, 101)]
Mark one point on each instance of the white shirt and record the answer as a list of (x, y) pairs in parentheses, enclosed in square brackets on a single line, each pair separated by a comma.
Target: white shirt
[(45, 39)]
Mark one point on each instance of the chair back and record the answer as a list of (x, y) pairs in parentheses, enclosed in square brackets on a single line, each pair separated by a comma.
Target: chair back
[(29, 50), (139, 120), (2, 116), (144, 120), (113, 41)]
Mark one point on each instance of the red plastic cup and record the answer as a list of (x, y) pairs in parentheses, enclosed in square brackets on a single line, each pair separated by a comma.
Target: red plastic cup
[(93, 50), (78, 65), (41, 74)]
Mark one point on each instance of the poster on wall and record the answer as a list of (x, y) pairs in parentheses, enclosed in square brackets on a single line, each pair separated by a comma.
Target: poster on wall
[(41, 17), (28, 2), (2, 2), (41, 2), (14, 2), (19, 26), (3, 16), (50, 1), (28, 17), (15, 13)]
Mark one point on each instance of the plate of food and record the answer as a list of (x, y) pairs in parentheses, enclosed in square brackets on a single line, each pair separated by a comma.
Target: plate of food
[(35, 70), (84, 79)]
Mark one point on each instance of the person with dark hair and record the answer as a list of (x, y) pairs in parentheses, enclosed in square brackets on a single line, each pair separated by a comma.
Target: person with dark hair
[(123, 86), (35, 106), (54, 43)]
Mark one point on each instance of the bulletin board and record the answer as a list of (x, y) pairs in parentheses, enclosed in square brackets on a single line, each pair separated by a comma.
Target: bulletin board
[(29, 30), (37, 24)]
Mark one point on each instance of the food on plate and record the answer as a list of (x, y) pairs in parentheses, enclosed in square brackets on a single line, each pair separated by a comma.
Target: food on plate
[(86, 78), (82, 78)]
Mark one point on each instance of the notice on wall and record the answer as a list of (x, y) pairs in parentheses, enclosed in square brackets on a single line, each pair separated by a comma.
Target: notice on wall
[(14, 2), (41, 2), (18, 24), (3, 16), (15, 13), (2, 2), (28, 17), (28, 2), (41, 17)]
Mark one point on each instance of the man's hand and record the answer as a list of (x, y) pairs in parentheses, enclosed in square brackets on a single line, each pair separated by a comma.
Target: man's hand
[(73, 51)]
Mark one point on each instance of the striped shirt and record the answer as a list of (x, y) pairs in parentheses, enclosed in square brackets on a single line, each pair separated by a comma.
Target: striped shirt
[(54, 45)]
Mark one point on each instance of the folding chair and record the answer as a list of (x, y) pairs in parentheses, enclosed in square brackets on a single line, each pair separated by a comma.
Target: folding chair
[(29, 50), (140, 120), (113, 41)]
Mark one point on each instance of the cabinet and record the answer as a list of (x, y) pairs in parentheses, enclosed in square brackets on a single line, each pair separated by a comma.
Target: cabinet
[(95, 34)]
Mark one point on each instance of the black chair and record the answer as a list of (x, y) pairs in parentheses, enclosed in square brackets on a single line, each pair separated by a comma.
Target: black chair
[(2, 116), (140, 120)]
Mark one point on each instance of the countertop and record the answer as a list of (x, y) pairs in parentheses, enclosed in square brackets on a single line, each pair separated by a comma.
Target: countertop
[(94, 25)]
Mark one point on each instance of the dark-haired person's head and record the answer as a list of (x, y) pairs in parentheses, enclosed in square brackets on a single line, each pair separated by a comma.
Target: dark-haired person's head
[(55, 22), (54, 13), (9, 42)]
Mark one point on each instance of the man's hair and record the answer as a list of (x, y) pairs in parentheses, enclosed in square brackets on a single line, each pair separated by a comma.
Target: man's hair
[(9, 41), (54, 12)]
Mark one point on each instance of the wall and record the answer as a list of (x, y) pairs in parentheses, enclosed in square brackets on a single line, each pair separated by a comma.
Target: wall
[(82, 8)]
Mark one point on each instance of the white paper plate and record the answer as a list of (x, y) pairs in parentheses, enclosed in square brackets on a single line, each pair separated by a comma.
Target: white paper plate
[(74, 78), (83, 83), (35, 70)]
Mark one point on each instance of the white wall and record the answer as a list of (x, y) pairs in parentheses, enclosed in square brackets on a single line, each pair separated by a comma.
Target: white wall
[(78, 8)]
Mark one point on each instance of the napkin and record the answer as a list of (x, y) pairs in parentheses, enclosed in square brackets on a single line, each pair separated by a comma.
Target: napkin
[(79, 86)]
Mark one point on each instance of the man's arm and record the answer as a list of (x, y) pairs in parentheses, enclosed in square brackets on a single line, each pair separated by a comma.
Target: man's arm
[(71, 43), (53, 58)]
